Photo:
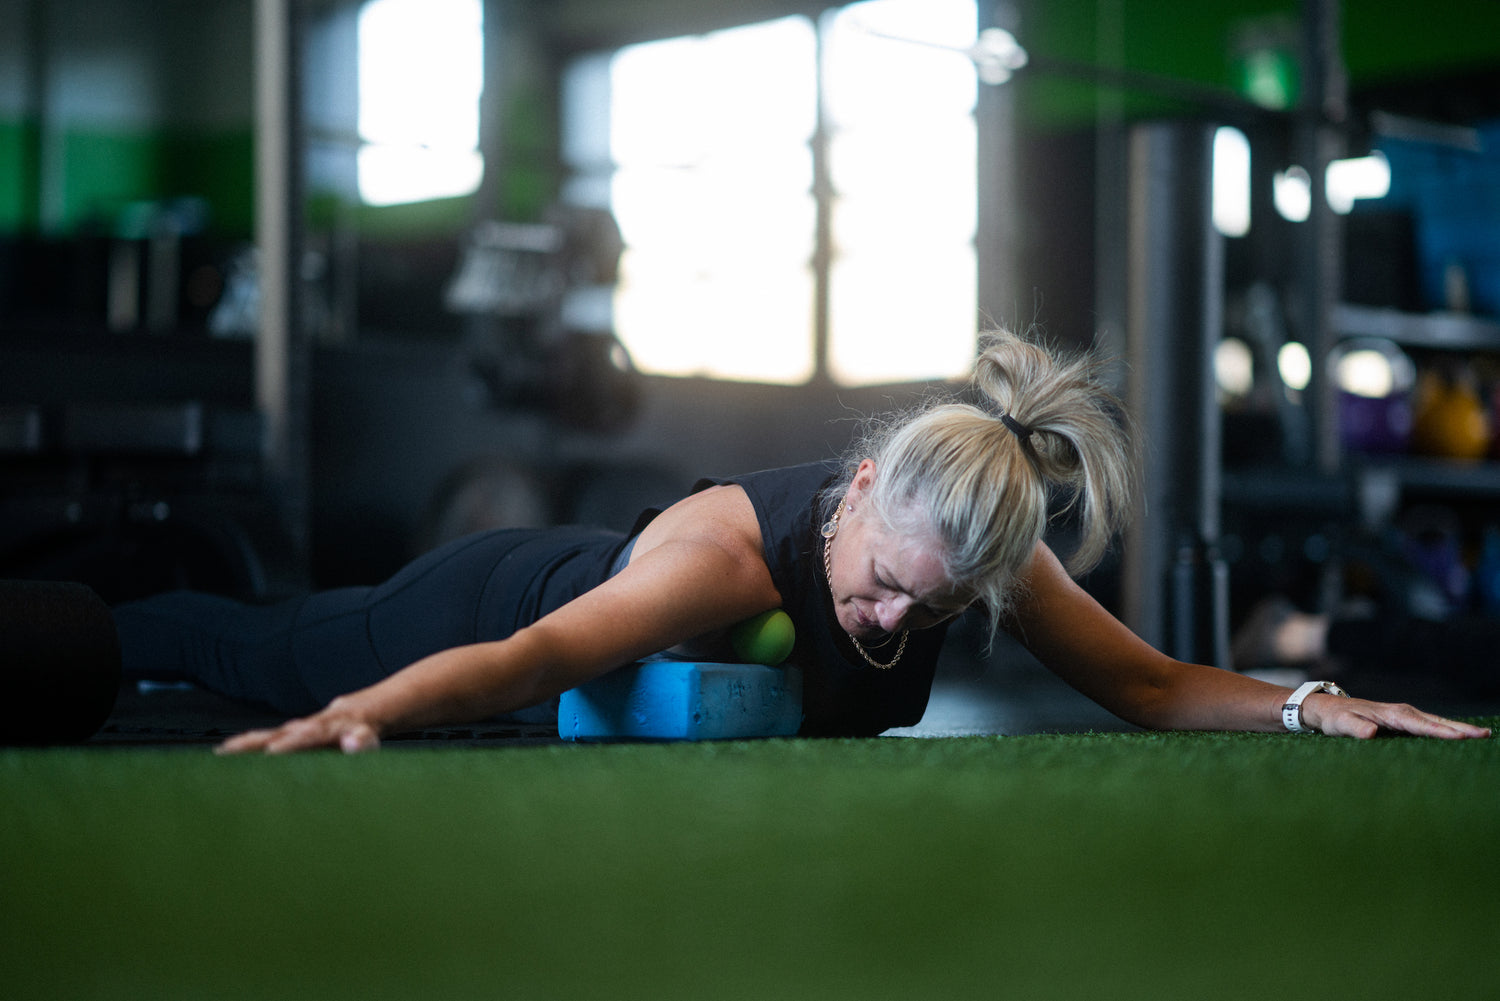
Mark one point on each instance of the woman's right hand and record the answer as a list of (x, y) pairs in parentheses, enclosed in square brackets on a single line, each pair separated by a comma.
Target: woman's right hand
[(339, 726)]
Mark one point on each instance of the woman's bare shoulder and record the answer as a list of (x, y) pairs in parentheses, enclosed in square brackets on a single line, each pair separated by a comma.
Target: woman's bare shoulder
[(702, 558), (719, 515)]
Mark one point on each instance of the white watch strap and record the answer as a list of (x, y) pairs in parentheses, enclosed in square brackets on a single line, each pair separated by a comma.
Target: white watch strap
[(1291, 712)]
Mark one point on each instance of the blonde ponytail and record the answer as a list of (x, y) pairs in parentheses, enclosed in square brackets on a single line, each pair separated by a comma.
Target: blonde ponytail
[(1039, 429)]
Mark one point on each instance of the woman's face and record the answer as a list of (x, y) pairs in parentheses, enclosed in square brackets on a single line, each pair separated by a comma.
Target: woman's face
[(883, 582)]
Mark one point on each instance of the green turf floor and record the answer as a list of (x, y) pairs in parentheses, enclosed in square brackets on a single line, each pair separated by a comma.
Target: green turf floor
[(1083, 866)]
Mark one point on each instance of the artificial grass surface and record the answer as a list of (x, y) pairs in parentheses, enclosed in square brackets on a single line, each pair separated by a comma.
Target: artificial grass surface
[(1109, 866)]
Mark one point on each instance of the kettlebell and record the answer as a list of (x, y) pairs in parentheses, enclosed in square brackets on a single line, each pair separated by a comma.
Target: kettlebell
[(1450, 421)]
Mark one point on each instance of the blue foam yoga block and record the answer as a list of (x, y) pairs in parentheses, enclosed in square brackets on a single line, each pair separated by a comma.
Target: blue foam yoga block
[(684, 700)]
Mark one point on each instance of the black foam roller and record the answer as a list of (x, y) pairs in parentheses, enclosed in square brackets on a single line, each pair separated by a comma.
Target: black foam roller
[(59, 662)]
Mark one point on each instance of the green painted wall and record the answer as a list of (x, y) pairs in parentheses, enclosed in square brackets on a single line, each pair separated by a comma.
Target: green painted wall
[(1382, 42), (103, 173), (98, 173), (18, 177), (217, 167), (1392, 41)]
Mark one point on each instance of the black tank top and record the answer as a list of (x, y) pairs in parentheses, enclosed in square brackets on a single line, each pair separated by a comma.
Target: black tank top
[(842, 695)]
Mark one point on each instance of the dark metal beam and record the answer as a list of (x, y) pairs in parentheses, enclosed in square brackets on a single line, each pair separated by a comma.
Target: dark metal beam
[(1176, 584), (282, 360)]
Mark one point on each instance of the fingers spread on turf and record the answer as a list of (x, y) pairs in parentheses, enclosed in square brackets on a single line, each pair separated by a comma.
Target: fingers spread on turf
[(1437, 726), (297, 735), (1358, 718), (314, 732), (248, 742), (1410, 720)]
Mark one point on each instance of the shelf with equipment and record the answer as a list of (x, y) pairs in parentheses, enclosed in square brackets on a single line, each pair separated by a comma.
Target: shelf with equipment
[(1442, 401), (1302, 531), (1443, 331)]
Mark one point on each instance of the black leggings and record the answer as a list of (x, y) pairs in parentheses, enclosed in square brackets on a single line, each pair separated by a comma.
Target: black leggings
[(297, 655)]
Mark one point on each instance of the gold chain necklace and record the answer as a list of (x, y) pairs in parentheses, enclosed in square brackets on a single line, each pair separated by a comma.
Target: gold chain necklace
[(830, 529)]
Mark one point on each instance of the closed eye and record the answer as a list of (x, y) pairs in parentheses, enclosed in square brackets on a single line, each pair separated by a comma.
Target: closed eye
[(919, 609)]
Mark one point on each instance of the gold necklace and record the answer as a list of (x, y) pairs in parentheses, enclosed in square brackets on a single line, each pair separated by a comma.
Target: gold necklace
[(830, 529)]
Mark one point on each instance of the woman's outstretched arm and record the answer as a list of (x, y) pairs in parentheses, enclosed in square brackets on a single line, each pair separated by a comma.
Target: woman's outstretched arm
[(1095, 653), (698, 567)]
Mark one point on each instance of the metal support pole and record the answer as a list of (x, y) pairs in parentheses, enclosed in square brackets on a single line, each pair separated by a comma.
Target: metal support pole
[(492, 105), (1111, 199), (281, 350), (997, 235), (1176, 583), (1320, 251), (1320, 141)]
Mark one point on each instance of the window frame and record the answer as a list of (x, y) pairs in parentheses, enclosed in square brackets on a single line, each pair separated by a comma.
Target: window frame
[(824, 256)]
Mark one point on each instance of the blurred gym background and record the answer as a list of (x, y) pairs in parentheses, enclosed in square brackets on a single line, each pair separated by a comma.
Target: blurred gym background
[(291, 290)]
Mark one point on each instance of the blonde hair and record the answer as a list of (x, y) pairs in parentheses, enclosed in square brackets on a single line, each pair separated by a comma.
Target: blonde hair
[(985, 488)]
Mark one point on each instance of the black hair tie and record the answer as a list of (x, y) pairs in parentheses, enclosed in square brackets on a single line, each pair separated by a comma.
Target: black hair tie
[(1021, 431)]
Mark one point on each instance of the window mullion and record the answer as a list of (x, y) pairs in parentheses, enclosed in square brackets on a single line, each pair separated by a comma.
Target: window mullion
[(823, 195)]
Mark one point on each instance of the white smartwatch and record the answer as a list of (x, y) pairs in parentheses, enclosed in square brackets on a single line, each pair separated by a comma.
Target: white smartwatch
[(1291, 713)]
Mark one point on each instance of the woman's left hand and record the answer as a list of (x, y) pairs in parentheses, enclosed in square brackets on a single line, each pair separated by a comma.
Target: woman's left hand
[(1343, 717)]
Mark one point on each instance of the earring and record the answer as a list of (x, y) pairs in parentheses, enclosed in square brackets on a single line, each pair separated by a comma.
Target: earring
[(831, 526)]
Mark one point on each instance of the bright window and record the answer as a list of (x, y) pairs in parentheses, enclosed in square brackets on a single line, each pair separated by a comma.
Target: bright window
[(421, 72), (902, 159), (710, 172), (712, 190)]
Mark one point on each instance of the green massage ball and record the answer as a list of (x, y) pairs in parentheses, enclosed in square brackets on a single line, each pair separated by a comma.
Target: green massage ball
[(766, 638)]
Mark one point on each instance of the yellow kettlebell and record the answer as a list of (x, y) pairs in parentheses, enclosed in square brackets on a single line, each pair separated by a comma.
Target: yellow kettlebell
[(1450, 421)]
